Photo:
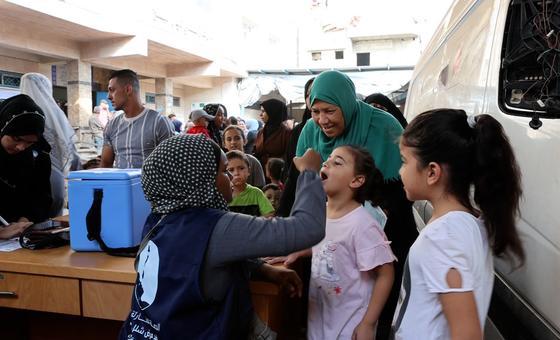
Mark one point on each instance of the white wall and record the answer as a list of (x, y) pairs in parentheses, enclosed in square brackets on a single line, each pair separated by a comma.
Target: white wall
[(225, 93), (18, 65), (395, 52)]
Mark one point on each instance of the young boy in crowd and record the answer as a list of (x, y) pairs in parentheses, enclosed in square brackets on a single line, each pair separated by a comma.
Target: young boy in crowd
[(92, 163), (273, 194), (234, 139), (200, 120), (247, 199), (274, 170)]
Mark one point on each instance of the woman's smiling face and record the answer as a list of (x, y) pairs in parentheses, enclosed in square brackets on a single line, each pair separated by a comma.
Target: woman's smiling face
[(329, 117)]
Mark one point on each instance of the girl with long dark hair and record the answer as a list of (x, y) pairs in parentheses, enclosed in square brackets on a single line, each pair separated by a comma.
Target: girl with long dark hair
[(448, 280)]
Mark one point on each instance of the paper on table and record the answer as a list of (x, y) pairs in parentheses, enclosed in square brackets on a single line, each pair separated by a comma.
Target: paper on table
[(10, 245)]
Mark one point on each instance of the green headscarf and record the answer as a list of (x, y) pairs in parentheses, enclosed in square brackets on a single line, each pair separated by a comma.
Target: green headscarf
[(365, 125)]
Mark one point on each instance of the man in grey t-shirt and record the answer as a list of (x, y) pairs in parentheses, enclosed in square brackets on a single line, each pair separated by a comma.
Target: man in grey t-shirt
[(129, 138)]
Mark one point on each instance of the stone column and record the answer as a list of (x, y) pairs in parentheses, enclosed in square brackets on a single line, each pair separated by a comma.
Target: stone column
[(164, 96), (79, 92), (46, 70)]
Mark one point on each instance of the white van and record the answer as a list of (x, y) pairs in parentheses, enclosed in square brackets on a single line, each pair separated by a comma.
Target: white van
[(502, 57)]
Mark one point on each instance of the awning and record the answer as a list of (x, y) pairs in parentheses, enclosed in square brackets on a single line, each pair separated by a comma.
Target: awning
[(256, 88)]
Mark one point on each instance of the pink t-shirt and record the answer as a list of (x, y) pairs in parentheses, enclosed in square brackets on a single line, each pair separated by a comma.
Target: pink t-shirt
[(340, 287)]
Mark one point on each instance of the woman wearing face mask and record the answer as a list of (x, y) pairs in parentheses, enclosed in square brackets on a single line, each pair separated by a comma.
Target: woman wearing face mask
[(272, 140), (25, 165), (194, 262)]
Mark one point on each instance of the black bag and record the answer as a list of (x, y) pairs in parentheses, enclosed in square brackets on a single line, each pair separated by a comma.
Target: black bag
[(39, 237)]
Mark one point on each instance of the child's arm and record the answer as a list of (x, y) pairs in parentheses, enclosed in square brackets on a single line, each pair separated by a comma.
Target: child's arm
[(265, 207), (460, 310), (385, 275), (288, 260)]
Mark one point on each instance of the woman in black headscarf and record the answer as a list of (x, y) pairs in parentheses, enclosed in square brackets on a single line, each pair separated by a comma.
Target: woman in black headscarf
[(25, 165), (215, 127), (291, 174), (382, 102), (272, 140)]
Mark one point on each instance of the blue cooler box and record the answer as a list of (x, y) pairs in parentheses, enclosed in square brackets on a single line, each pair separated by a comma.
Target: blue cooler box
[(123, 209)]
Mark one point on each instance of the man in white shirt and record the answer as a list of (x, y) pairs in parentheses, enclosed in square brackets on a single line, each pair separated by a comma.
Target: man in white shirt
[(129, 138)]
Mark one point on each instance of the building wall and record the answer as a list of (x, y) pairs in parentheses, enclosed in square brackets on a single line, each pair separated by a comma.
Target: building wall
[(393, 51), (100, 78), (225, 94), (328, 58), (18, 65)]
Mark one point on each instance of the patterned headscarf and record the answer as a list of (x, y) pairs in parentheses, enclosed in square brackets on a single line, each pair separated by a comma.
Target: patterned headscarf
[(212, 109), (181, 173)]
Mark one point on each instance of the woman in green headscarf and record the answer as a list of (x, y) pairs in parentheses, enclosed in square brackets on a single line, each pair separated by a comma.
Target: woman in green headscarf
[(340, 119)]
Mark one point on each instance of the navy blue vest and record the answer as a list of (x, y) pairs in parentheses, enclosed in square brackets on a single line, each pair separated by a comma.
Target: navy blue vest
[(167, 301)]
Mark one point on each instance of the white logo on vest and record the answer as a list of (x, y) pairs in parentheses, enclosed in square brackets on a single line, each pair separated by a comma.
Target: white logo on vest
[(148, 268)]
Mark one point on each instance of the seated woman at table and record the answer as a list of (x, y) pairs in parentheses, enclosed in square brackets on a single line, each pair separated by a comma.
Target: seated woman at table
[(25, 165), (195, 260)]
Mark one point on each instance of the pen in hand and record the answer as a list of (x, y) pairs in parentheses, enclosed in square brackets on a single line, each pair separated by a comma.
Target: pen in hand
[(3, 221)]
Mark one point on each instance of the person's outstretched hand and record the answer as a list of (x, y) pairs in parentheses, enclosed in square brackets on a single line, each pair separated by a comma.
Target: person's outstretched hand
[(311, 160), (14, 230), (287, 261)]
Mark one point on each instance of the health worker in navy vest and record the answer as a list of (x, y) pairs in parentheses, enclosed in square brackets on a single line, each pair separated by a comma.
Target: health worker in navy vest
[(196, 257), (338, 118), (25, 166)]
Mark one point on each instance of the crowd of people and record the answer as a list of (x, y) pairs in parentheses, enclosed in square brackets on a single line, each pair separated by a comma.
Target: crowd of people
[(230, 199)]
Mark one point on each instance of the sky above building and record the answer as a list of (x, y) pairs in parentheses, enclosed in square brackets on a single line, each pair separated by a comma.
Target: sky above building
[(281, 23), (254, 31)]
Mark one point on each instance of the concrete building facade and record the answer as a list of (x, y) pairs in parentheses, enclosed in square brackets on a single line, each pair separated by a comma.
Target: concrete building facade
[(77, 44)]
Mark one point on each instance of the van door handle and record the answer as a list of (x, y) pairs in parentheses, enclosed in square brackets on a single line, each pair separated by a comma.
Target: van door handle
[(443, 75)]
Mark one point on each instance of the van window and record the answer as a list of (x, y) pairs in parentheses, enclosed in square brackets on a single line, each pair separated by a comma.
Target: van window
[(530, 74)]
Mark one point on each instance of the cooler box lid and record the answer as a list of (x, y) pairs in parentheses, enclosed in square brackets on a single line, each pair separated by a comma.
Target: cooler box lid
[(105, 174)]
